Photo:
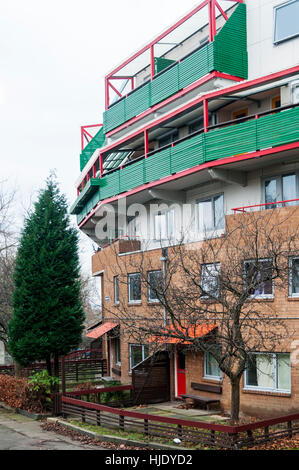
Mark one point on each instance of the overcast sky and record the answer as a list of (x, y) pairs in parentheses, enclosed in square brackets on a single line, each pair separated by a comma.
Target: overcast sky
[(54, 55)]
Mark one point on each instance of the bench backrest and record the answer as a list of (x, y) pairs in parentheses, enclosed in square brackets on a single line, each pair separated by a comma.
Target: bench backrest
[(206, 387)]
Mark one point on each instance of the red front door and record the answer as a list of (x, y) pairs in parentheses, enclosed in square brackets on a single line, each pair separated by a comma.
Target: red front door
[(181, 373)]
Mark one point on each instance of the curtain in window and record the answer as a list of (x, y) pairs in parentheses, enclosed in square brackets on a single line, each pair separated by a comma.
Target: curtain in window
[(284, 372), (265, 371)]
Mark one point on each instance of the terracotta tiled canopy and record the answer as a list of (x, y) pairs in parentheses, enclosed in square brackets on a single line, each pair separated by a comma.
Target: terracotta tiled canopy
[(101, 330), (192, 331)]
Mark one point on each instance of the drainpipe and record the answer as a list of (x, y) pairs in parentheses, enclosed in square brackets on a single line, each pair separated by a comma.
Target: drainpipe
[(164, 259)]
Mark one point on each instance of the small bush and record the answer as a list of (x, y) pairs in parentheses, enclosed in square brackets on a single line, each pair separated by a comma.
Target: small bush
[(14, 391), (30, 395), (40, 386)]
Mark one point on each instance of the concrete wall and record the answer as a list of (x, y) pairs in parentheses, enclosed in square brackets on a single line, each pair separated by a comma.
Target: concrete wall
[(263, 56)]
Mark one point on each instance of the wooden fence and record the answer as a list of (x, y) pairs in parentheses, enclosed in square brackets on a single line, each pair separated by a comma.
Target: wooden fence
[(79, 366), (192, 432)]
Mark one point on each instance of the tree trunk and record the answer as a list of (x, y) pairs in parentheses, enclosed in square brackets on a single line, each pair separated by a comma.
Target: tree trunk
[(235, 400), (49, 367), (56, 371), (18, 369)]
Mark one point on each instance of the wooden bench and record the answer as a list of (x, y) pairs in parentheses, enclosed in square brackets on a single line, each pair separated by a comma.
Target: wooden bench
[(206, 401)]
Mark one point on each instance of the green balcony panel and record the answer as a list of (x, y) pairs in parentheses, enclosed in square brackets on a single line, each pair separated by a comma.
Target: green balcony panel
[(97, 142), (158, 165), (165, 85), (90, 188), (161, 64), (230, 52), (138, 101), (227, 54), (196, 65), (131, 176), (188, 154), (278, 128)]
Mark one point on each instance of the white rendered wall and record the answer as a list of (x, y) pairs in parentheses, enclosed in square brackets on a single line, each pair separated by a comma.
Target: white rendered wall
[(263, 56)]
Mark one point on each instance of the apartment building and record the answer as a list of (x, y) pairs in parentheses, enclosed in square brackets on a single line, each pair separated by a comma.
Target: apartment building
[(202, 121)]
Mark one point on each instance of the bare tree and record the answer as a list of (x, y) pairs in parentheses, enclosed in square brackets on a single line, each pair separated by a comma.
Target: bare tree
[(7, 257), (216, 295)]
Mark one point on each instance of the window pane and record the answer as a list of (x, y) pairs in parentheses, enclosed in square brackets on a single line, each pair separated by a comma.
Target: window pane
[(210, 279), (260, 371), (136, 355), (160, 227), (283, 372), (270, 192), (212, 367), (205, 216), (259, 277), (295, 276), (170, 224), (286, 21), (116, 289), (134, 287), (289, 189), (154, 280), (251, 373), (219, 211)]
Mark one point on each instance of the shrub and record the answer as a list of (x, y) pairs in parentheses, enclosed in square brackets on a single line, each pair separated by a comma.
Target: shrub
[(14, 391), (40, 386), (30, 395)]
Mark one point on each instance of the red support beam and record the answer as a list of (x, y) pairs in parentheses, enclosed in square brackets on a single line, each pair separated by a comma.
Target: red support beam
[(101, 165), (244, 85), (152, 62), (206, 115), (146, 146)]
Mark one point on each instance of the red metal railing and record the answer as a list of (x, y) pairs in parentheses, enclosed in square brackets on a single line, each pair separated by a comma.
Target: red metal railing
[(216, 435), (265, 204)]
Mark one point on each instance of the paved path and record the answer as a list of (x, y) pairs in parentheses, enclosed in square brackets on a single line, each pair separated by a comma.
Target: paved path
[(21, 433)]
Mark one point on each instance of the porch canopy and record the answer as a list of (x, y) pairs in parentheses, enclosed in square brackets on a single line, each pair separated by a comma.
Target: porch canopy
[(191, 331), (101, 330)]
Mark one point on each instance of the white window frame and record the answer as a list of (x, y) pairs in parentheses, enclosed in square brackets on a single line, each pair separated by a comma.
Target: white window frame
[(153, 301), (169, 231), (217, 267), (279, 186), (132, 301), (117, 351), (211, 198), (206, 375), (276, 8), (143, 346), (291, 294), (275, 376), (116, 290), (259, 296)]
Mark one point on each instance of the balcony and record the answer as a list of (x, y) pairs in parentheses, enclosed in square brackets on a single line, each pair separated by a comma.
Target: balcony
[(226, 52), (232, 140)]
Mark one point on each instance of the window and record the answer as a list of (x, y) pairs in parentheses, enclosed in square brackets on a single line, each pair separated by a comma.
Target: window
[(294, 277), (117, 351), (154, 281), (133, 227), (164, 225), (116, 290), (210, 283), (286, 24), (267, 371), (168, 138), (211, 214), (276, 102), (134, 282), (259, 278), (196, 125), (240, 113), (281, 188), (211, 367), (138, 352)]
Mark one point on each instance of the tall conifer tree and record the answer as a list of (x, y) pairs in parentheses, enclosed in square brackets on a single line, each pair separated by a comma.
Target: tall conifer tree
[(47, 310)]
